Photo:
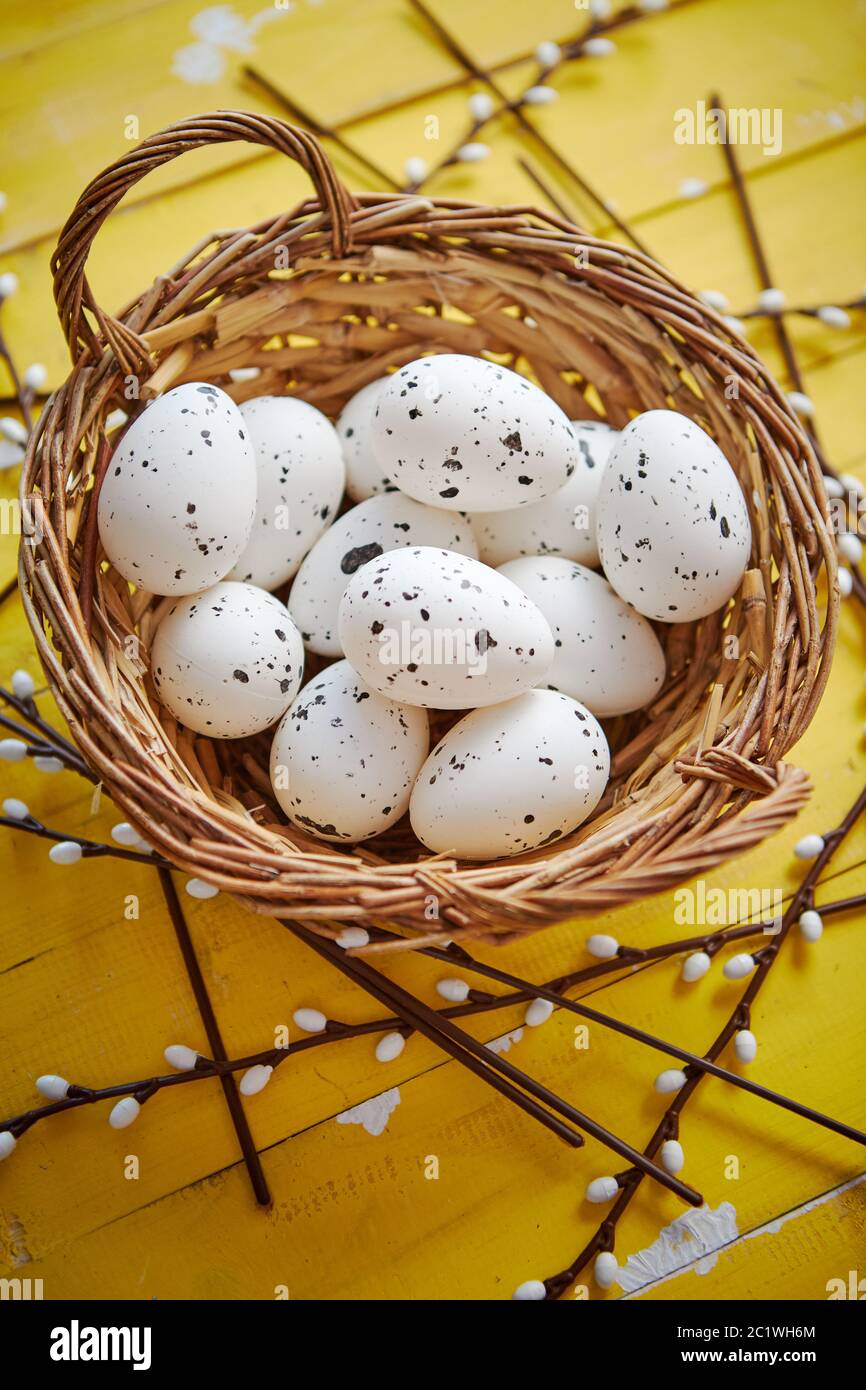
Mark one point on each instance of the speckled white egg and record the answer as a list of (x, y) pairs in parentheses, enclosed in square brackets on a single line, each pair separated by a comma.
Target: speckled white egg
[(607, 654), (673, 530), (364, 476), (344, 758), (561, 524), (463, 433), (360, 535), (227, 662), (433, 628), (177, 502), (301, 476), (511, 778)]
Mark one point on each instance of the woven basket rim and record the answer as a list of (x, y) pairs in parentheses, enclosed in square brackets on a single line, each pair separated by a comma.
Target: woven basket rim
[(685, 801)]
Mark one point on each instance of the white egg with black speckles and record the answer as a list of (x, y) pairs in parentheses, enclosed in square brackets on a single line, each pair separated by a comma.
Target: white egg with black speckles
[(607, 654), (511, 778), (432, 628), (301, 476), (360, 535), (463, 433), (344, 758), (227, 662), (561, 524), (673, 529), (364, 476), (177, 501)]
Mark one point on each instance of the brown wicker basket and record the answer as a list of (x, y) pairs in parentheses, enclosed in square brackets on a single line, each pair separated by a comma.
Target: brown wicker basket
[(375, 280)]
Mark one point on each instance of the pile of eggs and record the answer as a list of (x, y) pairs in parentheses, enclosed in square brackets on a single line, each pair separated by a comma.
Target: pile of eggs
[(462, 576)]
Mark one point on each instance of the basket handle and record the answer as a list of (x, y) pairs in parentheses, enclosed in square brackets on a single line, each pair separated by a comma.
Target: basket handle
[(72, 292)]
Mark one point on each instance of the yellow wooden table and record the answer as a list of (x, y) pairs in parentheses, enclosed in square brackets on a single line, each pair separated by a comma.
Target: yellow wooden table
[(89, 993)]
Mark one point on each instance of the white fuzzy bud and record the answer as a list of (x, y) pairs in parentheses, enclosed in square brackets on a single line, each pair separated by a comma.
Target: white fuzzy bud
[(8, 284), (605, 1270), (801, 404), (66, 852), (7, 1143), (198, 888), (602, 947), (13, 430), (833, 316), (598, 47), (537, 1012), (693, 188), (530, 1292), (473, 153), (124, 834), (46, 762), (652, 6), (124, 1113), (696, 966), (240, 374), (389, 1047), (809, 847), (739, 966), (714, 299), (455, 991), (12, 750), (672, 1157), (771, 300), (23, 685), (12, 807), (52, 1087), (745, 1045), (310, 1020), (669, 1081), (602, 1189), (415, 169), (811, 926), (832, 486), (255, 1080), (734, 324), (851, 484), (181, 1057), (850, 547), (35, 376), (846, 582), (540, 96), (480, 106), (548, 53), (352, 937)]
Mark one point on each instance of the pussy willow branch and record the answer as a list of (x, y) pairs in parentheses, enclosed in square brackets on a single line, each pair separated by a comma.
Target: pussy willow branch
[(28, 711), (456, 1041), (691, 1059), (783, 338), (206, 1068), (668, 1125), (809, 311), (572, 51), (207, 1013)]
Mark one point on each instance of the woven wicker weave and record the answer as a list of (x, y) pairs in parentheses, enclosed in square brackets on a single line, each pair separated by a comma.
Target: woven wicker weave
[(606, 332)]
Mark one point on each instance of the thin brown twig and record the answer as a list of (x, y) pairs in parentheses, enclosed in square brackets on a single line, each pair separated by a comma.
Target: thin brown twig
[(205, 1007)]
